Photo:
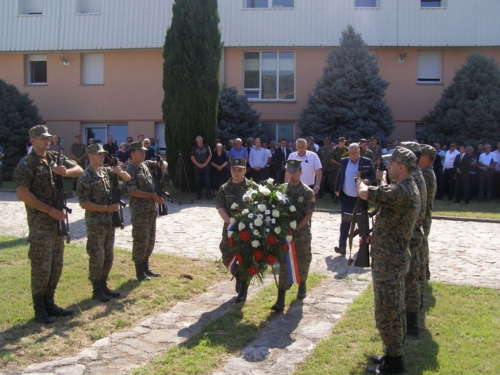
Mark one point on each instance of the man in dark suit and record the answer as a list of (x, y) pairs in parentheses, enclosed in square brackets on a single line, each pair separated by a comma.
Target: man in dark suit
[(462, 165), (345, 187), (279, 159)]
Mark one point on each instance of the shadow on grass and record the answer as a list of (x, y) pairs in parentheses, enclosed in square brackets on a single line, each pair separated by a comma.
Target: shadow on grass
[(14, 242), (339, 265)]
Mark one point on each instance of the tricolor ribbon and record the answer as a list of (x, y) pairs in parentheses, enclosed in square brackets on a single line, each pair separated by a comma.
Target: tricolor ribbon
[(291, 261), (231, 264)]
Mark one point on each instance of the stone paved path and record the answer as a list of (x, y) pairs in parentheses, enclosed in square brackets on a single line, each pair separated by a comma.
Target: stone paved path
[(461, 252)]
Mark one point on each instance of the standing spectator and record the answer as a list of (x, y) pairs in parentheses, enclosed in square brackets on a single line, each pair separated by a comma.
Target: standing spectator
[(219, 163), (474, 177), (269, 156), (54, 145), (111, 147), (153, 145), (279, 159), (364, 150), (311, 165), (258, 161), (438, 168), (238, 151), (462, 166), (486, 172), (250, 145), (201, 156), (336, 155), (90, 141), (311, 146), (229, 146), (377, 152), (1, 164), (388, 149), (78, 153), (480, 150), (129, 142), (124, 154), (291, 147), (448, 185), (496, 181), (324, 156), (150, 152), (140, 138)]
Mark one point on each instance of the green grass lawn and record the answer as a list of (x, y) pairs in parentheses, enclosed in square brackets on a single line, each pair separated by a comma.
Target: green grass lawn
[(24, 341), (459, 336)]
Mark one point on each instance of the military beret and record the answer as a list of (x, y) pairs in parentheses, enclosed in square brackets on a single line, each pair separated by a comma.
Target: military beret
[(429, 151), (341, 139), (137, 146), (403, 156), (412, 146), (238, 163), (293, 165), (39, 131), (96, 148)]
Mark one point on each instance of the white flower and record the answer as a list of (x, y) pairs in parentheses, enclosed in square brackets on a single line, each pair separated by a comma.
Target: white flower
[(268, 230), (234, 206), (241, 226), (289, 238), (250, 215), (268, 212), (260, 216), (232, 221), (230, 233), (293, 225), (261, 207), (268, 219), (292, 208), (266, 192), (251, 226), (270, 181), (276, 213), (282, 197), (273, 221), (258, 222), (255, 243), (277, 230), (256, 232), (245, 211)]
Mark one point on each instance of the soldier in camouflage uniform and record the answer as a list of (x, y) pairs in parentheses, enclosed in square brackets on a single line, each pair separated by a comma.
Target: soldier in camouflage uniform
[(143, 206), (416, 274), (324, 157), (399, 207), (78, 153), (364, 150), (94, 190), (35, 179), (336, 154), (377, 152), (229, 193), (304, 200), (426, 165)]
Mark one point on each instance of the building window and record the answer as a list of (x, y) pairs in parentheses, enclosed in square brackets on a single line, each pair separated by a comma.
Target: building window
[(367, 3), (88, 6), (269, 75), (268, 3), (30, 7), (99, 132), (432, 3), (429, 66), (275, 131), (92, 69), (37, 70)]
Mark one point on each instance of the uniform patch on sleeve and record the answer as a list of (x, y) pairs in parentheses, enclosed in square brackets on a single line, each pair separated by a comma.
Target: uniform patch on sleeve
[(301, 199), (23, 163)]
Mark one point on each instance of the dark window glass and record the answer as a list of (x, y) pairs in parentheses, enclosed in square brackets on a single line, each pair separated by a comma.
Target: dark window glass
[(257, 3), (430, 3), (38, 70), (366, 3), (283, 3)]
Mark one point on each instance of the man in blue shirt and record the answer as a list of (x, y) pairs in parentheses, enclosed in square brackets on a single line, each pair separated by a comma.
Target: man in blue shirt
[(238, 151)]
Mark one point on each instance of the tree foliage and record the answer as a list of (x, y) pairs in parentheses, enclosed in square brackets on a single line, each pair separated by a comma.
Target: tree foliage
[(236, 118), (191, 53), (18, 114), (469, 109), (348, 100)]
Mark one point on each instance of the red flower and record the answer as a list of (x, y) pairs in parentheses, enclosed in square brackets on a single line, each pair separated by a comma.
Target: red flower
[(230, 241), (270, 259), (239, 258), (257, 255), (252, 271), (244, 236), (284, 247), (271, 240)]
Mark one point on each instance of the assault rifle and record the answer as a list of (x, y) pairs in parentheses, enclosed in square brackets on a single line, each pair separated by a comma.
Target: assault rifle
[(115, 197), (60, 202), (159, 187)]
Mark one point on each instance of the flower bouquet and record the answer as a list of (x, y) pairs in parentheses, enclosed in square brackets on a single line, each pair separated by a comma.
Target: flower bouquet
[(260, 230)]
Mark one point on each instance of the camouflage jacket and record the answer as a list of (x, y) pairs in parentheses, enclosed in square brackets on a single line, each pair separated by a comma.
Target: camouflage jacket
[(303, 198), (337, 153), (422, 189), (367, 154), (231, 192), (377, 153), (399, 206), (431, 184), (79, 150), (324, 157), (96, 188), (141, 179), (36, 174)]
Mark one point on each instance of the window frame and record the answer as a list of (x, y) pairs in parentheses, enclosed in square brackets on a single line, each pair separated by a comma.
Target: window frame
[(83, 66), (23, 7), (430, 81), (80, 8), (443, 4), (270, 5), (29, 77), (376, 6)]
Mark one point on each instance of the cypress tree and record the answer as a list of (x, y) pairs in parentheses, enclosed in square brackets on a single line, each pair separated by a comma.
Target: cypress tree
[(469, 109), (348, 101), (192, 54)]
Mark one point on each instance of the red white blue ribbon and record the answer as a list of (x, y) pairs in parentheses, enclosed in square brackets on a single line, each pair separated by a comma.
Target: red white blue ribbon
[(291, 261), (231, 264)]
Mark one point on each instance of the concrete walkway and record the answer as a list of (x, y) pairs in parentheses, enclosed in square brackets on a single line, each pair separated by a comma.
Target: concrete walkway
[(461, 252)]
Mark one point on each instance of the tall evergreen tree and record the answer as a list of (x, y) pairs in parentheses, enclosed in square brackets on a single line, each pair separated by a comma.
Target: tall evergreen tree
[(18, 114), (469, 109), (236, 116), (192, 54), (348, 100)]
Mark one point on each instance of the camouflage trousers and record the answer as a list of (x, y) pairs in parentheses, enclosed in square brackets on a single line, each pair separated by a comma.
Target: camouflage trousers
[(224, 247), (427, 230), (302, 240), (46, 253), (144, 235), (329, 176), (100, 249), (413, 286), (390, 314)]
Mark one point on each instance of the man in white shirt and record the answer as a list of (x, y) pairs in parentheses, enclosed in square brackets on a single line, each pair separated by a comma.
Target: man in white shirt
[(258, 161), (496, 182), (487, 162), (448, 185), (311, 165)]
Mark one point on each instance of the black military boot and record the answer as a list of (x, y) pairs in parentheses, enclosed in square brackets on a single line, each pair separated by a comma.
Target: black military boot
[(279, 306), (301, 294), (236, 275), (98, 293), (148, 271), (389, 365), (378, 360), (242, 295), (54, 310), (412, 324), (139, 272), (41, 315), (108, 292)]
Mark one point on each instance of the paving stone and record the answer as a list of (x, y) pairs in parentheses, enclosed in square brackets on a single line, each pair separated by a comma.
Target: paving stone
[(71, 370)]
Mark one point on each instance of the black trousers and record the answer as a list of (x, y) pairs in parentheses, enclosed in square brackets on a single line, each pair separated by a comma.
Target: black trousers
[(347, 204), (486, 181), (448, 183), (462, 186)]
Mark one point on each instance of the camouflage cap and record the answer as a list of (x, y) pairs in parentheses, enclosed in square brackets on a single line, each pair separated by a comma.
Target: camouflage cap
[(429, 151), (412, 146), (39, 131), (373, 138), (341, 139), (137, 146), (238, 163), (96, 148), (403, 156), (294, 166), (362, 140)]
